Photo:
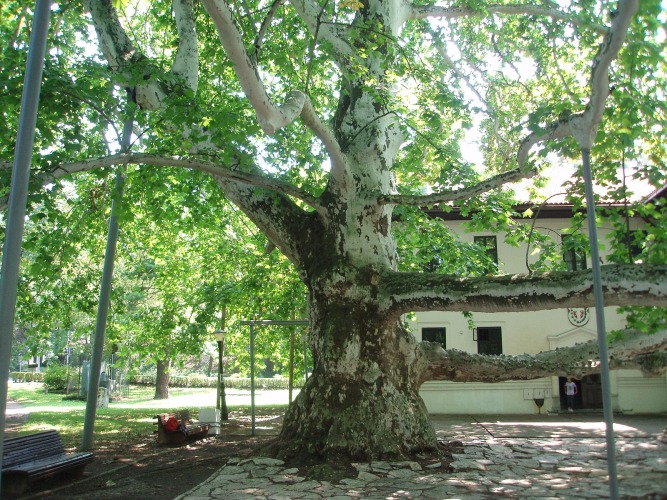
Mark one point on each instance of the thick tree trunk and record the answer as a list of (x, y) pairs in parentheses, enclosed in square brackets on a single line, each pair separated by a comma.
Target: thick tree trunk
[(362, 400), (162, 379)]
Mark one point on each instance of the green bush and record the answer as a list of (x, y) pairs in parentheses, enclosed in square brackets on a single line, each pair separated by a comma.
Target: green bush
[(203, 381), (56, 378), (27, 376)]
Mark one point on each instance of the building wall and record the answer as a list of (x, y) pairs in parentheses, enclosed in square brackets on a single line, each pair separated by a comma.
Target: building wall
[(530, 333)]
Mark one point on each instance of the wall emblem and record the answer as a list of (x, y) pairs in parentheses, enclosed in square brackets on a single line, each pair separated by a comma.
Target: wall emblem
[(578, 316)]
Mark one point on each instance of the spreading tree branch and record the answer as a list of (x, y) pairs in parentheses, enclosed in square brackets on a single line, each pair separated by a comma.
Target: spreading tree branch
[(622, 285), (425, 11), (271, 117), (215, 169), (259, 38), (123, 56), (464, 193), (583, 126), (320, 25)]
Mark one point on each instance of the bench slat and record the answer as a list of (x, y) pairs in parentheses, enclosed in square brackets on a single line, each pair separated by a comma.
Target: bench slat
[(36, 456), (26, 448), (51, 465)]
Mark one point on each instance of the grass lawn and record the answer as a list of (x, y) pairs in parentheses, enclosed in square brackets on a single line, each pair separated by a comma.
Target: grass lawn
[(129, 419)]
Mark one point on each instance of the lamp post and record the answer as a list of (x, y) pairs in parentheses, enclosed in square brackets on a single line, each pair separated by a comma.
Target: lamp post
[(221, 403)]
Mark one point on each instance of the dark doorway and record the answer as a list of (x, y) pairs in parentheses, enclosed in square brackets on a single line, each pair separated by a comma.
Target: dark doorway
[(589, 393)]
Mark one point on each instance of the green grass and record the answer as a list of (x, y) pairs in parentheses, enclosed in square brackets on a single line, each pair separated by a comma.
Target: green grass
[(131, 419), (33, 394)]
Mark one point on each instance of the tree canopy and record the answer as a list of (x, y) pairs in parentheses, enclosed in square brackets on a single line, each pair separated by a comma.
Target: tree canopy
[(325, 123)]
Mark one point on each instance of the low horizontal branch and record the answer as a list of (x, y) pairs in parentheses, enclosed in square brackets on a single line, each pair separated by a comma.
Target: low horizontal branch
[(635, 350)]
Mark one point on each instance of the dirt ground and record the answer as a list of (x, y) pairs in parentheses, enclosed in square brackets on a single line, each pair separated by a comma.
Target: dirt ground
[(142, 469)]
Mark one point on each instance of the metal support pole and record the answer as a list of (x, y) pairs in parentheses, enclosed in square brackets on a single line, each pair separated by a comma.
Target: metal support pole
[(601, 328), (218, 401), (105, 288), (252, 355), (102, 315), (291, 364), (11, 253), (221, 404), (252, 377)]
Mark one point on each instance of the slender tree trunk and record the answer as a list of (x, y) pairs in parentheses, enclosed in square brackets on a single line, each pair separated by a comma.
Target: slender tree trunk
[(162, 378)]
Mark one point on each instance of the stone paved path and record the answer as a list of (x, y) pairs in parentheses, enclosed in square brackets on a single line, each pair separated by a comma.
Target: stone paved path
[(544, 457)]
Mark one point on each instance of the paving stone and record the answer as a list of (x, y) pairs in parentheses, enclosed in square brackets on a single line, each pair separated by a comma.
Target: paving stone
[(406, 464), (362, 466), (467, 464), (262, 461), (519, 468), (380, 466), (258, 471), (524, 483), (401, 474), (574, 470)]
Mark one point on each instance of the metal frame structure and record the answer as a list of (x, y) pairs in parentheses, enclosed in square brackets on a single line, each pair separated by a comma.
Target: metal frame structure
[(263, 322)]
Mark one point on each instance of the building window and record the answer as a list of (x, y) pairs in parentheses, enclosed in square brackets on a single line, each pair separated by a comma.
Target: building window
[(435, 335), (574, 258), (489, 340), (490, 245)]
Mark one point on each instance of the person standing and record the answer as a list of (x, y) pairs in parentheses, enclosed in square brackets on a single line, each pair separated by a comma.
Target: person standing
[(570, 392)]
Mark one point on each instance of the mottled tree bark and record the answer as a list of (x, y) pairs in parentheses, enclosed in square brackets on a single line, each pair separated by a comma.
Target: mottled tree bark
[(362, 399)]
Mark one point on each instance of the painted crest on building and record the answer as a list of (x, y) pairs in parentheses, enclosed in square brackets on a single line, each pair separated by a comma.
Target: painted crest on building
[(578, 316)]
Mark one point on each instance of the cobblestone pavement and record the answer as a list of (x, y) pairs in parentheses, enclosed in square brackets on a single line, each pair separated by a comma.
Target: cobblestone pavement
[(547, 456)]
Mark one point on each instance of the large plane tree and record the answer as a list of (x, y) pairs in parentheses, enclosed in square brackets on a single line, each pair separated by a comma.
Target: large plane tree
[(327, 121)]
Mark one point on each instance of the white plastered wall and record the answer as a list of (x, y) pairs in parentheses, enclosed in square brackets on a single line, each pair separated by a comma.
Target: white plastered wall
[(529, 333)]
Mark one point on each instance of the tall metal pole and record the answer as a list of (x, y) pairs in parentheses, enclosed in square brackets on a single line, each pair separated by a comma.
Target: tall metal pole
[(305, 356), (105, 289), (601, 328), (217, 399), (252, 377), (291, 364), (11, 253), (224, 412), (222, 396)]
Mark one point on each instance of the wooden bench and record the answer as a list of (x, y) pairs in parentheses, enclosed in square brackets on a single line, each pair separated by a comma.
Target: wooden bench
[(30, 458), (187, 429)]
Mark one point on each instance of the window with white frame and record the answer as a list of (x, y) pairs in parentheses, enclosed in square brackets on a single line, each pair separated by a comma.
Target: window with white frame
[(435, 334)]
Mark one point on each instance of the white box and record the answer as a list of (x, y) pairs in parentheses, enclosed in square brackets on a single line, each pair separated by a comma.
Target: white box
[(210, 416)]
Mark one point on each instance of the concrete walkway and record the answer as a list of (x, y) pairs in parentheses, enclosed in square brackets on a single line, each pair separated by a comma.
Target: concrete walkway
[(547, 456)]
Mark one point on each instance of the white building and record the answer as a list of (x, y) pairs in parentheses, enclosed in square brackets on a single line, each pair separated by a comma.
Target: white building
[(530, 333)]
